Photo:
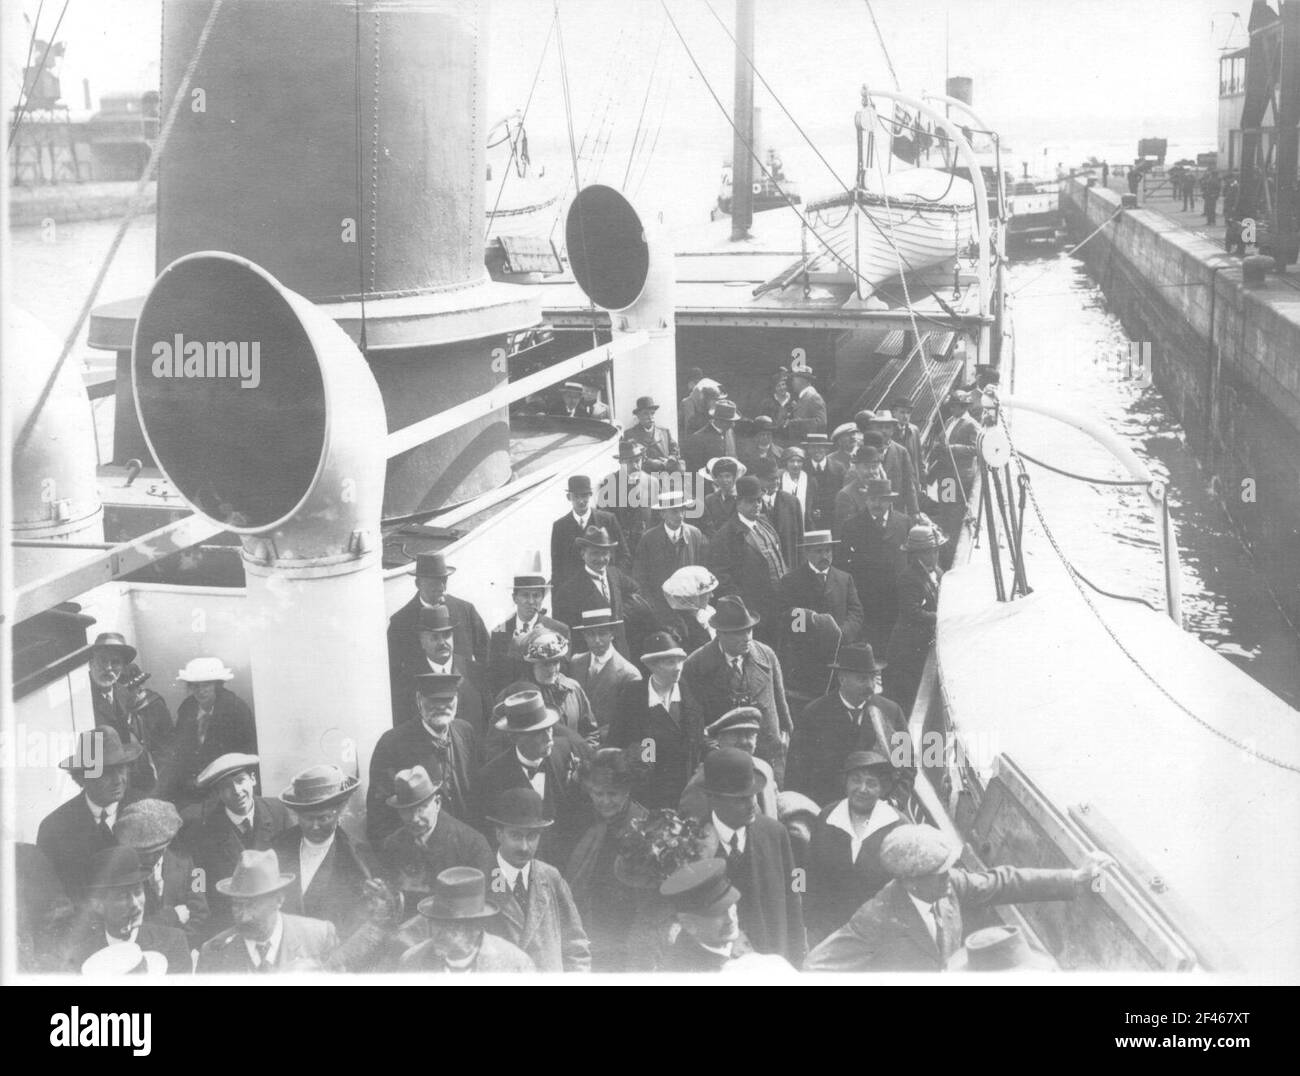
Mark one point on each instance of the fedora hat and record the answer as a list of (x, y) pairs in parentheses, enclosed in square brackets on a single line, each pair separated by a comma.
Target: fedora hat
[(115, 868), (672, 498), (432, 566), (728, 464), (101, 746), (629, 450), (224, 766), (724, 409), (147, 825), (922, 537), (459, 894), (913, 851), (412, 787), (547, 646), (123, 958), (256, 874), (884, 417), (204, 671), (700, 888), (731, 614), (880, 487), (112, 640), (815, 538), (729, 771), (520, 808), (645, 403), (524, 711), (842, 429), (436, 619), (999, 948), (597, 618), (319, 786), (741, 717), (857, 658), (661, 644), (596, 538), (866, 760)]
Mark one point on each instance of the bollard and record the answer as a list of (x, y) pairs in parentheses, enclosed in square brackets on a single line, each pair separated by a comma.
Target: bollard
[(1128, 201), (1254, 268)]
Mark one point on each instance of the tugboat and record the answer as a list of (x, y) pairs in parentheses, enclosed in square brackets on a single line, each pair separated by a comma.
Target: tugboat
[(770, 189)]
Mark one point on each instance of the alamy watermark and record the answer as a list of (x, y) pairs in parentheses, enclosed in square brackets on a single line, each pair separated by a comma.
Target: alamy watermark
[(235, 359)]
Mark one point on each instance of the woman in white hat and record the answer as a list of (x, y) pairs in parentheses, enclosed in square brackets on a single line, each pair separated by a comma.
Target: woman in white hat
[(688, 591), (211, 722)]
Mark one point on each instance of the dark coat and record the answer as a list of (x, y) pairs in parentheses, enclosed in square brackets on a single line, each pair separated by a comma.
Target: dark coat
[(685, 955), (809, 413), (888, 934), (564, 800), (470, 704), (786, 518), (337, 889), (603, 688), (708, 677), (566, 556), (707, 443), (657, 558), (469, 639), (872, 555), (412, 865), (87, 938), (231, 728), (305, 946), (718, 510), (829, 477), (551, 931), (68, 837), (579, 592), (149, 724), (182, 887), (659, 445), (506, 662), (667, 749), (901, 472), (802, 588), (735, 558), (826, 735), (411, 744), (838, 885), (608, 908), (913, 634), (770, 909)]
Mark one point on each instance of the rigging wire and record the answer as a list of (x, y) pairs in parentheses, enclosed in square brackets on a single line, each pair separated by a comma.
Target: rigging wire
[(133, 209), (27, 98), (636, 135), (667, 95), (881, 38)]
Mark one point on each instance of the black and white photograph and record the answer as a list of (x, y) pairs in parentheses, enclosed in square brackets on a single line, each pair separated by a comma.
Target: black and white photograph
[(800, 491)]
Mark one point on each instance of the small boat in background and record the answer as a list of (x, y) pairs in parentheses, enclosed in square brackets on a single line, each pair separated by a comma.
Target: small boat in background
[(772, 188)]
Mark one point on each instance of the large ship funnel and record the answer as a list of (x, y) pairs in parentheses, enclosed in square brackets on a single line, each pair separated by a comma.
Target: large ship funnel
[(267, 419), (624, 266)]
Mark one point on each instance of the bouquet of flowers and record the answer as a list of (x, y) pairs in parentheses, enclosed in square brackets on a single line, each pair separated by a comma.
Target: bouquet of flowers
[(657, 845)]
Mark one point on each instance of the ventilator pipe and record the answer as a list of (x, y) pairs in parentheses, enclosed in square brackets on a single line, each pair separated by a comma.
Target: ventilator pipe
[(55, 497), (624, 265), (266, 418)]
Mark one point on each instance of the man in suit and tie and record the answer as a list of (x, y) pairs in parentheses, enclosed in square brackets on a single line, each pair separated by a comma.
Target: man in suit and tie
[(737, 670), (507, 650), (74, 831), (916, 922), (715, 438), (897, 462), (538, 760), (231, 822), (918, 612), (852, 497), (760, 861), (601, 671), (873, 556), (720, 505), (907, 434), (747, 558), (538, 913), (827, 476), (566, 554), (760, 444), (854, 717), (121, 701), (597, 585), (265, 940), (809, 414), (704, 907), (458, 912), (818, 586), (736, 728), (780, 509), (661, 452), (439, 741), (671, 544), (571, 404), (431, 574), (437, 635), (627, 494), (174, 895)]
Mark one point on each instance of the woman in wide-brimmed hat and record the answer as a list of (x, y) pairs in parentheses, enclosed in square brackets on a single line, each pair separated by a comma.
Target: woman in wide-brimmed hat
[(918, 607), (687, 592), (212, 721)]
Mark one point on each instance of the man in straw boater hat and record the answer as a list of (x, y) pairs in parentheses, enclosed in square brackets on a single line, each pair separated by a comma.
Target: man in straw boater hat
[(843, 864), (509, 643), (853, 716), (817, 586), (172, 899), (124, 958), (918, 609), (899, 466), (661, 453), (570, 403), (265, 939), (598, 585), (211, 721), (722, 473), (746, 554), (458, 911), (537, 910), (738, 670), (74, 831), (436, 631), (471, 635), (566, 554), (437, 740), (672, 543), (737, 729), (539, 760), (760, 861), (915, 923), (332, 872), (715, 438), (430, 840), (601, 671), (872, 555), (114, 913), (233, 819)]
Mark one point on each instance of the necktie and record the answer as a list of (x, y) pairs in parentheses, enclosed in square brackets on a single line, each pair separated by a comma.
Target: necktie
[(263, 956), (245, 831), (737, 672), (521, 892), (734, 854), (604, 590), (105, 830), (939, 938)]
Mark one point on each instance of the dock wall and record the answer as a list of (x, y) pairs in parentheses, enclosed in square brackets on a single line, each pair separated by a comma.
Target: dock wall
[(1224, 355)]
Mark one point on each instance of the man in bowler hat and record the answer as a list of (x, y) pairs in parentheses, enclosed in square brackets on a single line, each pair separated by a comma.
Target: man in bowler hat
[(471, 635), (566, 555)]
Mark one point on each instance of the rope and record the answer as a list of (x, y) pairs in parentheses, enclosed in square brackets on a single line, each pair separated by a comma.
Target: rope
[(1076, 578), (27, 99), (648, 157), (645, 102), (881, 38), (1081, 477), (137, 203), (1071, 251)]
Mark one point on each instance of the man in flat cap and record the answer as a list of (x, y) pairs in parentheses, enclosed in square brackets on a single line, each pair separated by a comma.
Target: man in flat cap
[(566, 554), (439, 741), (661, 453), (73, 832), (175, 892), (915, 923), (264, 939), (115, 912), (599, 585), (435, 630), (507, 650), (537, 910), (458, 911), (470, 636), (232, 820), (737, 729)]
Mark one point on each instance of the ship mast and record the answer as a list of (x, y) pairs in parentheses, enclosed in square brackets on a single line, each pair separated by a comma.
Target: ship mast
[(742, 161)]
